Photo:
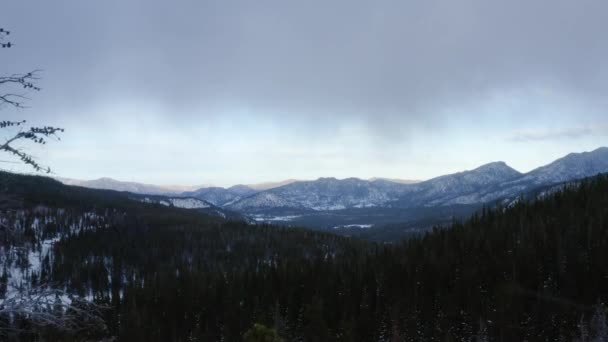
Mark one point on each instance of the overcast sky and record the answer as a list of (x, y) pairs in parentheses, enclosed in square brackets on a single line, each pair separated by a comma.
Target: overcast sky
[(231, 91)]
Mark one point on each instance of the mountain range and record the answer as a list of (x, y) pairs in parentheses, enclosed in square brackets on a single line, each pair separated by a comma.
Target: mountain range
[(106, 183), (484, 184), (329, 198)]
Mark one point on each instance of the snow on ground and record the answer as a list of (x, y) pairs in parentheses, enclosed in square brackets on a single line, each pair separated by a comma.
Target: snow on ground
[(23, 262), (186, 203), (264, 218), (189, 203), (362, 226)]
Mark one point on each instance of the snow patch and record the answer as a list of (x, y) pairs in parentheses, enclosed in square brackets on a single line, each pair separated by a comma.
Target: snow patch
[(362, 226)]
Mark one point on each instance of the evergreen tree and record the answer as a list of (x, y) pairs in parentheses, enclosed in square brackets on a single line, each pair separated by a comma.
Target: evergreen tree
[(261, 333)]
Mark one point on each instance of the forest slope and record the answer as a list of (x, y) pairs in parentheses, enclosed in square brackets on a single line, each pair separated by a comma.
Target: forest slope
[(535, 269)]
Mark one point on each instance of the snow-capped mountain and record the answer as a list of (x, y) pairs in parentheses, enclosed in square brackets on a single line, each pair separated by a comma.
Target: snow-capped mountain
[(321, 194), (242, 190), (178, 202), (188, 203), (136, 188), (221, 196), (270, 185), (396, 180), (484, 184), (227, 196), (335, 194), (571, 167), (440, 190), (264, 200)]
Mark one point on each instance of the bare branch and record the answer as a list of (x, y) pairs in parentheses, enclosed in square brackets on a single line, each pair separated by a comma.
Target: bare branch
[(3, 34), (36, 134), (10, 97), (24, 81)]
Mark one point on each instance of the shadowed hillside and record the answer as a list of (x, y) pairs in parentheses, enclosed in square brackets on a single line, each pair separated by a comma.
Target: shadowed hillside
[(535, 268)]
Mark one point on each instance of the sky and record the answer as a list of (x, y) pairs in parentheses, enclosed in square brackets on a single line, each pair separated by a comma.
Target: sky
[(238, 91)]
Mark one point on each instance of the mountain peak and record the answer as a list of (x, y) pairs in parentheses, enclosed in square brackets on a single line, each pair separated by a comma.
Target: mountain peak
[(395, 180), (494, 165), (240, 187), (327, 179), (242, 190), (600, 151), (497, 167), (105, 179), (573, 166)]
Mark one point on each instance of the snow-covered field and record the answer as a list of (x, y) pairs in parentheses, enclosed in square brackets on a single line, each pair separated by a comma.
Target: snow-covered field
[(362, 226), (265, 218), (28, 252), (179, 202)]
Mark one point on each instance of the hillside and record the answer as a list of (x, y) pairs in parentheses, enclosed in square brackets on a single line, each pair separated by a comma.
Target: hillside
[(392, 208), (107, 183), (540, 266), (482, 185)]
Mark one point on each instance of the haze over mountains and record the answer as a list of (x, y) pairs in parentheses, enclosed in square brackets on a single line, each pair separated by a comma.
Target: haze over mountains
[(107, 183), (134, 187)]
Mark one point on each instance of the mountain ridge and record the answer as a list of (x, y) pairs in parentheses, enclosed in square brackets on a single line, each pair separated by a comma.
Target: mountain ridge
[(107, 183), (483, 184)]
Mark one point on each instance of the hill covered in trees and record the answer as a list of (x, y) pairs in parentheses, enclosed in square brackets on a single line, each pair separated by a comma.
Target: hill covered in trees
[(536, 270)]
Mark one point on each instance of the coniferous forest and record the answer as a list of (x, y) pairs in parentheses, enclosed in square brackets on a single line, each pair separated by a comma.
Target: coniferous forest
[(536, 270), (303, 171)]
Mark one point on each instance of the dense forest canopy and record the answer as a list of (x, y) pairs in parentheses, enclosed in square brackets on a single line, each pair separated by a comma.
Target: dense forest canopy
[(535, 268)]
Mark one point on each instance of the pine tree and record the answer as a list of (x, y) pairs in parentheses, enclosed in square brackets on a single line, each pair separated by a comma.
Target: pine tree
[(261, 333)]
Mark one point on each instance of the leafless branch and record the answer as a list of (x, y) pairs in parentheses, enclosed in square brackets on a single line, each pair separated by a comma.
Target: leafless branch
[(3, 34), (38, 135), (10, 97), (25, 81)]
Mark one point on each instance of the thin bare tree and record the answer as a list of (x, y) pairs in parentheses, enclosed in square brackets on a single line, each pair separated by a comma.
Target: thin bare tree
[(43, 306), (13, 91)]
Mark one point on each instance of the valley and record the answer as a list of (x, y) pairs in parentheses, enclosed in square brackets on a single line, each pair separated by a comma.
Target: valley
[(146, 270), (303, 171), (395, 208)]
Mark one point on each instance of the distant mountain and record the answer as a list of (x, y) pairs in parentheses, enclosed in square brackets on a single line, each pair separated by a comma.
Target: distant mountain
[(321, 194), (265, 200), (221, 196), (484, 184), (487, 183), (571, 167), (137, 188), (217, 196), (189, 203), (242, 190), (226, 196), (396, 180), (334, 194), (270, 185), (178, 202), (443, 189)]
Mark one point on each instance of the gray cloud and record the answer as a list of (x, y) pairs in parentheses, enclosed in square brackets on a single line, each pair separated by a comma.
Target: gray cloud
[(344, 57), (560, 134)]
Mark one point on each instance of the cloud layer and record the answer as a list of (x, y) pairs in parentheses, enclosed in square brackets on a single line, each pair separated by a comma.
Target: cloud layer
[(392, 71)]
